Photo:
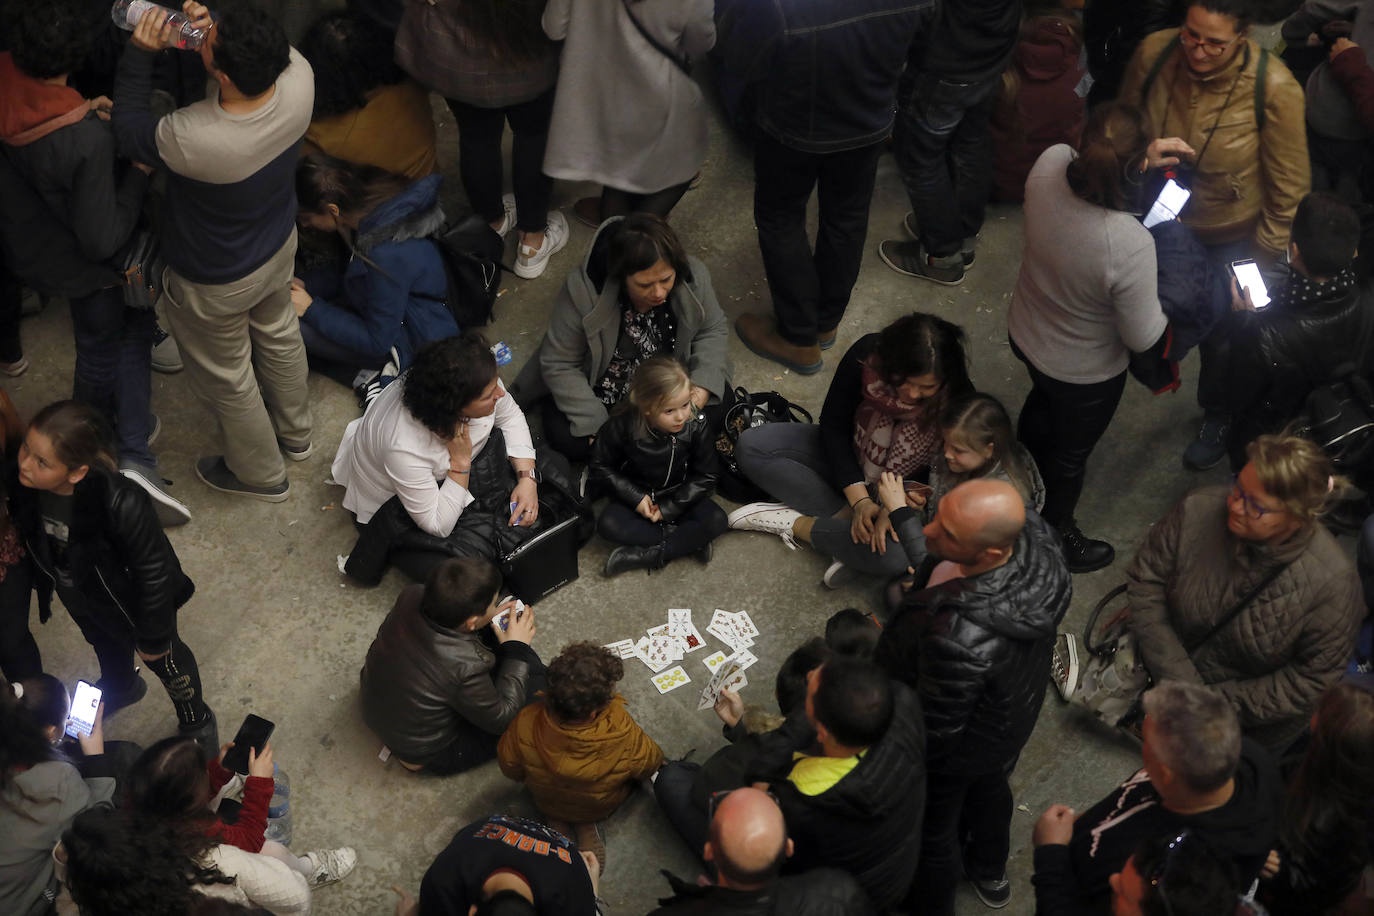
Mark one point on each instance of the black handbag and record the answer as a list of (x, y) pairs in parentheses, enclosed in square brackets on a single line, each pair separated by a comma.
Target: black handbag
[(749, 411), (1339, 417), (141, 264)]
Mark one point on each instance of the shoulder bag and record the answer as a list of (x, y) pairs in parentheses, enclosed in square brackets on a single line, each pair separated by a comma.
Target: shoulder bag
[(681, 63)]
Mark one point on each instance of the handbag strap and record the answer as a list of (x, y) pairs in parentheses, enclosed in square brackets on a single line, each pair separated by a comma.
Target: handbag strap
[(1238, 607), (683, 65)]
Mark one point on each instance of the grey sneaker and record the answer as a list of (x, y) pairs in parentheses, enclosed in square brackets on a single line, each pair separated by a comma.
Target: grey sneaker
[(994, 894), (170, 511), (215, 474), (910, 259), (770, 518), (968, 249), (1209, 447), (1064, 670), (331, 864)]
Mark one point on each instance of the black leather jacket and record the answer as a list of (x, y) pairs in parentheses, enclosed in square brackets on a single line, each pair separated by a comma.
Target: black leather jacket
[(421, 681), (976, 649), (120, 560), (675, 470), (819, 892)]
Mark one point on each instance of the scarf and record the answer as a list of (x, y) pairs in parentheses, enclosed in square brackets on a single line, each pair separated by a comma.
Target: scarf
[(1300, 290), (889, 435)]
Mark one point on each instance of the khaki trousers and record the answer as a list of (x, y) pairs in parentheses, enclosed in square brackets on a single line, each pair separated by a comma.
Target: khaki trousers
[(241, 343)]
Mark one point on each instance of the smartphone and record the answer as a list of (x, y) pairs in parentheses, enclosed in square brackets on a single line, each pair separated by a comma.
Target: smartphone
[(253, 733), (81, 719), (1168, 205), (1248, 274)]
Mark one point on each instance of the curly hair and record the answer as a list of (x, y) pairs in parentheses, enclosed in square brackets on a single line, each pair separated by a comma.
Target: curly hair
[(120, 863), (446, 376), (168, 782), (48, 39), (582, 681), (351, 55), (251, 48)]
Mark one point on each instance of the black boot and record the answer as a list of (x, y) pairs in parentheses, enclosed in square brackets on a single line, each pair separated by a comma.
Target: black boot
[(626, 558), (1083, 554), (704, 554)]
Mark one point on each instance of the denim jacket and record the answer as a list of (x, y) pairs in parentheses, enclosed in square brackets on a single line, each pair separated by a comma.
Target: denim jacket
[(821, 76)]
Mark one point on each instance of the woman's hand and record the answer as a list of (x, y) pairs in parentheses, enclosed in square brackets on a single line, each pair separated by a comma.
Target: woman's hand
[(261, 764), (1166, 151), (649, 509), (861, 525), (102, 106), (882, 528), (891, 493), (300, 299), (525, 498), (700, 397), (94, 743), (729, 707)]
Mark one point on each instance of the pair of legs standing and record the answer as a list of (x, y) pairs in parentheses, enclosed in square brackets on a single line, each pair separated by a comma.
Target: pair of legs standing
[(810, 288), (241, 343), (967, 830)]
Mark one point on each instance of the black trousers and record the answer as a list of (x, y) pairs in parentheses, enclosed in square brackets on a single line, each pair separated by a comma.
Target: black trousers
[(558, 432), (19, 657), (968, 822), (694, 529), (1060, 424), (810, 289), (479, 158)]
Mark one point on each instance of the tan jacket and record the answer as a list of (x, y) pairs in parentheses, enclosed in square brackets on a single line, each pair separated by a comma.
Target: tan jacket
[(577, 773), (1249, 181), (1282, 651)]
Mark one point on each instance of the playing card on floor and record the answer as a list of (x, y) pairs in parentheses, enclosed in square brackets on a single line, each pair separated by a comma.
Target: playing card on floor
[(671, 679), (745, 625), (679, 620), (712, 661), (655, 662), (625, 648)]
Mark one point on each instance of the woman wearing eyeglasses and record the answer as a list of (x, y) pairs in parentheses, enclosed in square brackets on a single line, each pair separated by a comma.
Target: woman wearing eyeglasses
[(1253, 562), (1240, 109)]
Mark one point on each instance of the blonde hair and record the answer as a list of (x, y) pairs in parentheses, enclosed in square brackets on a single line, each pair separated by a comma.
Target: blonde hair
[(1297, 473), (655, 381)]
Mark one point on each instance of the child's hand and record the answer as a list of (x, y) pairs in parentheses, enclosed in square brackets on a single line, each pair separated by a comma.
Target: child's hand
[(730, 707), (94, 743), (261, 764), (649, 509), (519, 629), (890, 491)]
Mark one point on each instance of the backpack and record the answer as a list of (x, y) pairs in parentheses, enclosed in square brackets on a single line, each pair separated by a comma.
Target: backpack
[(472, 252), (1261, 69)]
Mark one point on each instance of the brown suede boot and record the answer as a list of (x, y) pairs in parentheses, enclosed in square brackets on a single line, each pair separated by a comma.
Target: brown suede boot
[(589, 839), (760, 335)]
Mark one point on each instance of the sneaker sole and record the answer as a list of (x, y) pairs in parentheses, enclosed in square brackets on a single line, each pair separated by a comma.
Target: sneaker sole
[(171, 512), (299, 454), (837, 575), (746, 511), (968, 256), (546, 252), (915, 274), (781, 361), (1071, 670), (265, 497), (990, 903)]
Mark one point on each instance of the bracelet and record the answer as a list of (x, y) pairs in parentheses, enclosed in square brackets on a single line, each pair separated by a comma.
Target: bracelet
[(460, 471), (855, 503)]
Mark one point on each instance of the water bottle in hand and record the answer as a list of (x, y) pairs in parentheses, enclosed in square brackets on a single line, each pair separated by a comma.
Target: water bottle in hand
[(127, 13)]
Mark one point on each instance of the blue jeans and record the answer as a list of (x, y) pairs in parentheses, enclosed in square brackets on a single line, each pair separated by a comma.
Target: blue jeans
[(944, 153), (113, 361)]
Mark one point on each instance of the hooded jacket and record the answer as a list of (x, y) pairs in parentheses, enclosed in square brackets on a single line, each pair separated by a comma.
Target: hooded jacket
[(120, 559), (395, 284), (421, 681), (64, 207), (1249, 179), (676, 470), (582, 772), (868, 823), (584, 326), (1046, 109), (1278, 655), (977, 648)]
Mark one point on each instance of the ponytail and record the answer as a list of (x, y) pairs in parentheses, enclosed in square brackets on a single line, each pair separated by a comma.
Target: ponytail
[(1113, 146), (79, 434)]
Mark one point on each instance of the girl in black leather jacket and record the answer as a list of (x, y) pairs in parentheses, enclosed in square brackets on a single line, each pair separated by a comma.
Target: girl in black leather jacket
[(657, 461), (93, 536)]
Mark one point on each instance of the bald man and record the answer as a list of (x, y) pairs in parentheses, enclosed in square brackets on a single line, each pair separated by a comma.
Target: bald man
[(979, 627), (747, 847)]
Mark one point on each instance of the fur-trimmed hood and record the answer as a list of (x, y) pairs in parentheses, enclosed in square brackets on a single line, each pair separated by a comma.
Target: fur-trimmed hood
[(412, 214)]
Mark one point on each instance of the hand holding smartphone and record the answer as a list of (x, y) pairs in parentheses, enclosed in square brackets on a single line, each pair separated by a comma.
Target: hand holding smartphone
[(1168, 205), (253, 733), (81, 718), (1248, 276)]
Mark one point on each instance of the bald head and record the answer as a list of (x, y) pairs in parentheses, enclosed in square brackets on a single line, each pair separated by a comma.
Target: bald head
[(748, 838), (985, 513)]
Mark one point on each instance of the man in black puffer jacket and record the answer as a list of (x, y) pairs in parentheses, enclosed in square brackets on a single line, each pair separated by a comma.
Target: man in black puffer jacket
[(976, 643), (1315, 331)]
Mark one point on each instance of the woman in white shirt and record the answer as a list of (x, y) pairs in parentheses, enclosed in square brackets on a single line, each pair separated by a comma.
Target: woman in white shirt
[(420, 438)]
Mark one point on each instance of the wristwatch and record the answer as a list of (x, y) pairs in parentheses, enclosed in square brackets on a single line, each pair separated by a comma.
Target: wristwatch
[(531, 473)]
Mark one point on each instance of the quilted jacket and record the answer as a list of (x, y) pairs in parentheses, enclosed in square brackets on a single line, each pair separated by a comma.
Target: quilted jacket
[(977, 648), (578, 773), (1277, 656)]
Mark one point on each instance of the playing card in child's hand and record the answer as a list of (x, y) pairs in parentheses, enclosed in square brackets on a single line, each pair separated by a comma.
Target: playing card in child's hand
[(744, 658), (671, 679), (736, 682)]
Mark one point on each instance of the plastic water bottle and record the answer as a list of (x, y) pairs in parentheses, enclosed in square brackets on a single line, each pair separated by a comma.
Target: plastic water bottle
[(127, 13), (279, 808), (501, 352)]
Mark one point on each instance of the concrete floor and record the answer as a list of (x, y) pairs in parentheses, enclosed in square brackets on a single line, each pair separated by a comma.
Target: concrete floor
[(279, 632)]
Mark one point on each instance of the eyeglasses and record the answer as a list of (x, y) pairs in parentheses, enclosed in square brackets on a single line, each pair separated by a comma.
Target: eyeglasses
[(1157, 879), (1252, 509), (1210, 46)]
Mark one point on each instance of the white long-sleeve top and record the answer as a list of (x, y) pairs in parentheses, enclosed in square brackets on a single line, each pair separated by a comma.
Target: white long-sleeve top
[(387, 451)]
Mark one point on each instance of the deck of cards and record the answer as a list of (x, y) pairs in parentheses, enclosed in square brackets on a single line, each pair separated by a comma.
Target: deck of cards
[(670, 642)]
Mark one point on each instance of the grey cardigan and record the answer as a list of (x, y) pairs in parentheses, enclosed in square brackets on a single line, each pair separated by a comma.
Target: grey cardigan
[(584, 326), (41, 803)]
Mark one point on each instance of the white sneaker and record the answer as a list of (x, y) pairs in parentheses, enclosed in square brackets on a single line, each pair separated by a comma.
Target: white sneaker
[(331, 864), (1064, 665), (837, 575), (530, 262), (508, 220), (771, 518)]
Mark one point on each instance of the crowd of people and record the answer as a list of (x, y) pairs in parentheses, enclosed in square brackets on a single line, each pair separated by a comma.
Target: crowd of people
[(248, 212)]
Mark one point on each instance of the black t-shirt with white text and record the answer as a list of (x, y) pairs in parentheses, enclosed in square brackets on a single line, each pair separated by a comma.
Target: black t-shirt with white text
[(57, 523)]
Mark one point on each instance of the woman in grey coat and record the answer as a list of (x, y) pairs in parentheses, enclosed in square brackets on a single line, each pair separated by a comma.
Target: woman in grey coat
[(626, 114), (637, 294)]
